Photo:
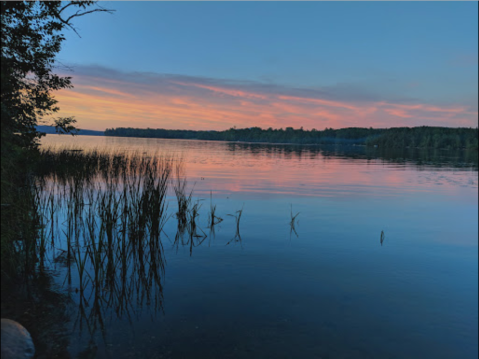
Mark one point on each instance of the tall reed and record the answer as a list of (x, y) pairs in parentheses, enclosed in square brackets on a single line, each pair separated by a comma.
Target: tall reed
[(237, 216), (106, 213), (213, 218)]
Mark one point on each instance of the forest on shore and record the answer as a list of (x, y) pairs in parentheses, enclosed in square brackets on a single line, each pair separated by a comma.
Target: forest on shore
[(399, 137)]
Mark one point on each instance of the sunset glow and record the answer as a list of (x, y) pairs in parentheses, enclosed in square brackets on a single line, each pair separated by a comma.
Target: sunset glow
[(213, 66), (143, 100)]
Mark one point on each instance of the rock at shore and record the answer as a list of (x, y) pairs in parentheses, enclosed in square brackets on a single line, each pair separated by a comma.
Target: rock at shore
[(16, 341)]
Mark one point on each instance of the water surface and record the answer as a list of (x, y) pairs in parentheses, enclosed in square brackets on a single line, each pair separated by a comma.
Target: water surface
[(327, 289)]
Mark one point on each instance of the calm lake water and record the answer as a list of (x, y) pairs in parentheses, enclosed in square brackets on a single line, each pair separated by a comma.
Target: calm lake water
[(327, 289)]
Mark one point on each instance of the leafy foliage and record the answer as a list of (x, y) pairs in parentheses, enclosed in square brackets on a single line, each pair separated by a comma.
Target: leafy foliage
[(31, 33)]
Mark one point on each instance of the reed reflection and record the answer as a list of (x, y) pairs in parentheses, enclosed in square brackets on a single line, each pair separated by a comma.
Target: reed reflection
[(103, 220), (237, 217), (293, 222)]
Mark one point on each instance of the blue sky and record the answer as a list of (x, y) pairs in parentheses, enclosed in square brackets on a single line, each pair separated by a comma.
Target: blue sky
[(403, 53)]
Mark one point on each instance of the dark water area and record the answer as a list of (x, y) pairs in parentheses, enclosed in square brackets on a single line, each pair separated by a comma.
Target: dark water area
[(381, 260)]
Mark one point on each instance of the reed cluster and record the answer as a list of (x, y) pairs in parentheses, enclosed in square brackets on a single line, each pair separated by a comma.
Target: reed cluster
[(100, 217)]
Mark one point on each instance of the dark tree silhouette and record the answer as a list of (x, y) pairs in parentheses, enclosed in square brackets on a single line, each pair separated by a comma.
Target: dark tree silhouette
[(31, 33), (399, 137)]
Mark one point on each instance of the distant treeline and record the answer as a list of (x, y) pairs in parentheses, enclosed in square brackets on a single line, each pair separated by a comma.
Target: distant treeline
[(425, 137), (51, 130)]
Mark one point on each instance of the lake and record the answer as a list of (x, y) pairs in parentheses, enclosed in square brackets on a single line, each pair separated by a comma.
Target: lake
[(340, 252)]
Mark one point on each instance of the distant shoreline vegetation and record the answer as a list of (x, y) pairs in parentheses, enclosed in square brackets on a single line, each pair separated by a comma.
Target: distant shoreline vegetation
[(399, 137), (50, 130)]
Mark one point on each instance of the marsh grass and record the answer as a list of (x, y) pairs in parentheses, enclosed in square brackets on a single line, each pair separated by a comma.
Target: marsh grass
[(101, 216), (213, 219), (104, 213), (183, 198), (191, 235)]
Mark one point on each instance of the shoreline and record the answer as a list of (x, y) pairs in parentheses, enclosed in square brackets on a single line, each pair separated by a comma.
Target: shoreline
[(281, 143)]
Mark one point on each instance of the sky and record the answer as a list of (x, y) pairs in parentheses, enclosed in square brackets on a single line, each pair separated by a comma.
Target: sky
[(216, 65)]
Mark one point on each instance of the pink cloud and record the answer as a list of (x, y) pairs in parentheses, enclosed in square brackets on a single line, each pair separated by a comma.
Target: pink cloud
[(99, 101)]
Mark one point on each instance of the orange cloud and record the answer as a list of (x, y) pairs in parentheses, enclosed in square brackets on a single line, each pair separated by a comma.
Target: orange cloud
[(226, 91), (320, 102), (99, 102), (398, 113)]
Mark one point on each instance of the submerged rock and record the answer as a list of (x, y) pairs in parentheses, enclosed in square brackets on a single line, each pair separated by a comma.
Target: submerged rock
[(16, 341)]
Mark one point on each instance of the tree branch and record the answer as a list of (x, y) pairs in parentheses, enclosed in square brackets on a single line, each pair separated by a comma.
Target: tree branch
[(78, 13), (67, 5), (67, 22)]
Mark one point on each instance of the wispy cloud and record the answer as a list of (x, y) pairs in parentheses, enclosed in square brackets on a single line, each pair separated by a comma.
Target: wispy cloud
[(104, 98)]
